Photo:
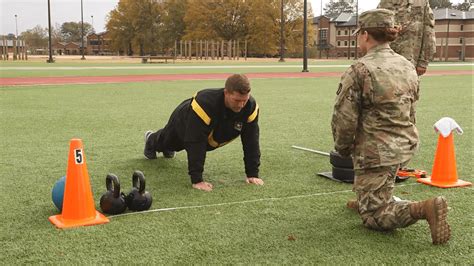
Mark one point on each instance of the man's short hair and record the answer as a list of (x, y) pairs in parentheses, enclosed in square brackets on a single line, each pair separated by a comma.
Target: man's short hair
[(239, 83)]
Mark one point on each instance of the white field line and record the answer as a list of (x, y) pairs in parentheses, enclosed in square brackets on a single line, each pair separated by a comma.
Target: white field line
[(166, 67), (241, 202), (230, 67)]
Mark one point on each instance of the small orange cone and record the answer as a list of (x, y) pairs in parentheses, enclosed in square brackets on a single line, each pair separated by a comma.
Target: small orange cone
[(78, 203), (444, 173)]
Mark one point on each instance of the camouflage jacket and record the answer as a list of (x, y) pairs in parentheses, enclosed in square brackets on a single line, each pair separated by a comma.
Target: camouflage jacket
[(374, 112), (417, 41)]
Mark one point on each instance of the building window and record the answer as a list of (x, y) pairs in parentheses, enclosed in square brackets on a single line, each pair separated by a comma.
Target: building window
[(338, 43), (352, 32), (353, 43), (345, 32), (352, 54), (345, 43), (460, 40), (324, 34), (338, 32), (462, 27)]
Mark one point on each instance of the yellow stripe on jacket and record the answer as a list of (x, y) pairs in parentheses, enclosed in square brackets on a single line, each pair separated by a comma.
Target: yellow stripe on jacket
[(200, 112), (214, 143), (253, 115)]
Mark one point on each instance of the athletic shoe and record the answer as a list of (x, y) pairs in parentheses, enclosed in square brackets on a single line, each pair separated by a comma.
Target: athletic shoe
[(149, 153), (169, 154)]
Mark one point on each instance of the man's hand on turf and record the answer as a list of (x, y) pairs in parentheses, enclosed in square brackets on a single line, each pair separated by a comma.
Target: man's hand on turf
[(203, 186), (254, 180)]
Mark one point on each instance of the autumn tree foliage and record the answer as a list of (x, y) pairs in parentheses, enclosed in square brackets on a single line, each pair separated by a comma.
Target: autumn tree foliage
[(72, 31), (152, 26), (135, 25)]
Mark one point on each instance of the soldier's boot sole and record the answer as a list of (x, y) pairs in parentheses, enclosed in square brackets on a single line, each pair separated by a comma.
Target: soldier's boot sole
[(436, 211)]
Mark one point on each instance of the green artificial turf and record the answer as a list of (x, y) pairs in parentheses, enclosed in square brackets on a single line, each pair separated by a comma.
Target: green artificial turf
[(295, 218), (17, 69)]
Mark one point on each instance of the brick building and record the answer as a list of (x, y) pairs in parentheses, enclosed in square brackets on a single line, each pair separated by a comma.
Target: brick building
[(344, 26), (454, 34), (67, 48), (95, 44), (99, 43), (334, 36), (322, 28)]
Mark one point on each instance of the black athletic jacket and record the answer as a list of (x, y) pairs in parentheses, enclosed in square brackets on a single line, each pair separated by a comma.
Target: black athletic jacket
[(203, 123)]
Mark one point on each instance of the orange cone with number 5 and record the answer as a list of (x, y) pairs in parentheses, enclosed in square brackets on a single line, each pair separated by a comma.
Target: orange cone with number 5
[(78, 203)]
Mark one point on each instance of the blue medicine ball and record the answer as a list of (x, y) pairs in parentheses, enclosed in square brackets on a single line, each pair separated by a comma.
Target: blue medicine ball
[(58, 193)]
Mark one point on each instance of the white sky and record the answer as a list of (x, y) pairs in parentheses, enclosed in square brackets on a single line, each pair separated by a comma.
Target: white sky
[(35, 12)]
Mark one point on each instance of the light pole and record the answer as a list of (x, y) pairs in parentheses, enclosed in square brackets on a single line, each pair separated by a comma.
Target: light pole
[(349, 45), (305, 38), (320, 44), (82, 33), (282, 32), (16, 25), (50, 60), (15, 41), (357, 25), (92, 19), (446, 57)]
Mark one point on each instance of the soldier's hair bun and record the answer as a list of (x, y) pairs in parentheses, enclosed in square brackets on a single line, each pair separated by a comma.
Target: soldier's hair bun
[(383, 34), (391, 33), (393, 30)]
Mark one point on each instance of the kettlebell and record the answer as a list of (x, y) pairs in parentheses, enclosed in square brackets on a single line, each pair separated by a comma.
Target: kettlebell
[(138, 199), (112, 201)]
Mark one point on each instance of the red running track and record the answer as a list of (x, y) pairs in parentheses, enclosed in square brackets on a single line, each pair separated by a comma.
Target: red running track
[(29, 81)]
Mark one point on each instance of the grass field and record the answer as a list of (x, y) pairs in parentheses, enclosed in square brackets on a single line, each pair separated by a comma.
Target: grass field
[(296, 218), (14, 69)]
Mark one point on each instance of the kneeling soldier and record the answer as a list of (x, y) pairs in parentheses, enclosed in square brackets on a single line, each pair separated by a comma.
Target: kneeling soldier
[(374, 120)]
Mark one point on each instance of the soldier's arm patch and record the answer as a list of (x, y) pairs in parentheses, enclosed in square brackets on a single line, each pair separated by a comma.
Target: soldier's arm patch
[(345, 91), (345, 115)]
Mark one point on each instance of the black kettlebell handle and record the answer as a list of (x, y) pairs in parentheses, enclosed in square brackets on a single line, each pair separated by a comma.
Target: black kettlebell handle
[(113, 179), (138, 181)]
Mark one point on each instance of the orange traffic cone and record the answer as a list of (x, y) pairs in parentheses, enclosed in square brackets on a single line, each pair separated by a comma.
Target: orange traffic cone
[(444, 173), (78, 204)]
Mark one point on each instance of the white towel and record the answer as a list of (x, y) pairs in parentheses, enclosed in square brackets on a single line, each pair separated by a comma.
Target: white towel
[(445, 125)]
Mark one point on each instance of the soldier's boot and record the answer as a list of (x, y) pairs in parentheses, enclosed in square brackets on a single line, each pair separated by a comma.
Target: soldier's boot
[(435, 211), (353, 205)]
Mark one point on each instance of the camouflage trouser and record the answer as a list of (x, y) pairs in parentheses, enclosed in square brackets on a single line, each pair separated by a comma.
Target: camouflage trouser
[(377, 208)]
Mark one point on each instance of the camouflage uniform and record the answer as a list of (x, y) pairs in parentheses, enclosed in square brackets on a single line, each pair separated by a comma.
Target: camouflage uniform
[(374, 120), (417, 41)]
